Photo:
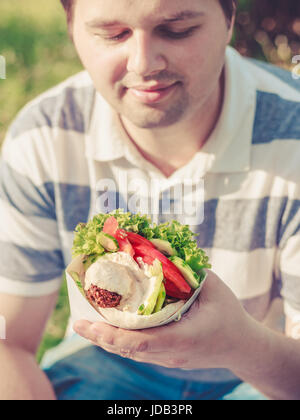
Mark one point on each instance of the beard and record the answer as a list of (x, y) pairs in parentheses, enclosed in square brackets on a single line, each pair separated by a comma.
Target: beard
[(151, 116), (156, 116)]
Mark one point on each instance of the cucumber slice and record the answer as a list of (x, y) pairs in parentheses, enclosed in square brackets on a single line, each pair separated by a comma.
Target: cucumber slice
[(151, 300), (161, 299), (190, 276), (153, 293), (108, 242), (164, 246)]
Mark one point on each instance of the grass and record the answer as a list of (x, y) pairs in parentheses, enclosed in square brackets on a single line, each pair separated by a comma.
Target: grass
[(38, 55)]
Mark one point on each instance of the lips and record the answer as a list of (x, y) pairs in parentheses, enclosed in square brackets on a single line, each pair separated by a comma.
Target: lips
[(152, 88), (152, 94)]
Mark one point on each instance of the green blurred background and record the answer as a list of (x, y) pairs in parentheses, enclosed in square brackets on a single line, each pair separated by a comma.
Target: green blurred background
[(38, 54)]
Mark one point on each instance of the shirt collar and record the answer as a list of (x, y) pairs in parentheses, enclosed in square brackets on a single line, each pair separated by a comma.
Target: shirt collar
[(229, 147)]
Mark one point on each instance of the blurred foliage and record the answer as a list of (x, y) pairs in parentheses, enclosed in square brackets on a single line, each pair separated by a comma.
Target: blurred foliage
[(37, 51), (39, 54), (268, 30)]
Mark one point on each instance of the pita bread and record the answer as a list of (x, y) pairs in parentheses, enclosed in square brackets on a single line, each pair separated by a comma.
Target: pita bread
[(118, 318)]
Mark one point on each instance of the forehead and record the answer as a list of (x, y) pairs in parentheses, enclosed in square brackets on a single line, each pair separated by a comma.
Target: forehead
[(142, 11)]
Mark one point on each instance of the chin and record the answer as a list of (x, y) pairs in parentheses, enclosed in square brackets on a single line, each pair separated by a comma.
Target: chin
[(162, 115), (155, 119)]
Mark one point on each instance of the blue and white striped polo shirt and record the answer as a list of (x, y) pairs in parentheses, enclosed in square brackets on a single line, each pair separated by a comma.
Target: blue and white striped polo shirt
[(66, 153)]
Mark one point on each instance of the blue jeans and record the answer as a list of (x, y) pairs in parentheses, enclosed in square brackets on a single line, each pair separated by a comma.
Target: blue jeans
[(79, 371)]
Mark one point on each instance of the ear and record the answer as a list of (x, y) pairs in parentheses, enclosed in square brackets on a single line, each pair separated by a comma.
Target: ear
[(231, 28)]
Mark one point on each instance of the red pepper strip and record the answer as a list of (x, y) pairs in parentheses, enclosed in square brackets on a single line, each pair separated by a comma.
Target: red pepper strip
[(111, 226), (124, 244), (175, 282), (136, 240)]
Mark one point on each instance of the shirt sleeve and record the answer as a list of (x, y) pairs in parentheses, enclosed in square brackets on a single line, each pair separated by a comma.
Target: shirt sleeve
[(31, 259), (289, 260)]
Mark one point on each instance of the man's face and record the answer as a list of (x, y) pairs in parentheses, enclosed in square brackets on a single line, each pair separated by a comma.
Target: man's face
[(155, 62)]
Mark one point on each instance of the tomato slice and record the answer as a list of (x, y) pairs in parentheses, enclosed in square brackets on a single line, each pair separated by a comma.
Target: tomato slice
[(136, 240), (124, 244), (146, 259), (175, 282), (173, 292), (111, 226)]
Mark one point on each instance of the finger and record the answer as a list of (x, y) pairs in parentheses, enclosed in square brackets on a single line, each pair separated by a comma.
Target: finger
[(102, 335), (85, 329), (171, 338), (81, 327), (164, 359), (91, 331), (97, 334), (128, 340)]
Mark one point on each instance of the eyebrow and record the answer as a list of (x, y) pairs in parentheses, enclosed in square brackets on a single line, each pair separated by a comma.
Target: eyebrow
[(185, 15), (178, 17)]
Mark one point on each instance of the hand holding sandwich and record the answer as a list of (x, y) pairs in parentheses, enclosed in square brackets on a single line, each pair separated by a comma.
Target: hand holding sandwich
[(133, 273), (160, 274), (214, 333), (137, 275)]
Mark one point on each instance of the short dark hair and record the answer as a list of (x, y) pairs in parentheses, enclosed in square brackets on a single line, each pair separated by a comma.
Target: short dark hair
[(228, 6), (68, 6)]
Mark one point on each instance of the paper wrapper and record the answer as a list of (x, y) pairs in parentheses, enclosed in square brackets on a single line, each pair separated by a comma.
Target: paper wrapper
[(82, 309)]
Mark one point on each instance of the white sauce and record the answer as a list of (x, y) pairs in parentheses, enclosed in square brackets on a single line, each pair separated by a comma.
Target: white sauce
[(119, 273)]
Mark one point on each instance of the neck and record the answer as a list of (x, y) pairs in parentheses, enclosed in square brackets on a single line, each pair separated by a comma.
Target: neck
[(188, 136)]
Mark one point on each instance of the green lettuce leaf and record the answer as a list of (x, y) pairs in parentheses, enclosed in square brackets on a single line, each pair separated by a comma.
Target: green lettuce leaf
[(86, 239), (182, 239), (179, 236)]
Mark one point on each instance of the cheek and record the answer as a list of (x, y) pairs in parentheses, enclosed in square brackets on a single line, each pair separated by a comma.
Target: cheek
[(106, 67), (189, 62), (204, 60)]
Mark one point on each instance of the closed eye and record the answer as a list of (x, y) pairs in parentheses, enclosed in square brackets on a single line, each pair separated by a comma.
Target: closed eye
[(168, 33), (161, 30), (117, 37)]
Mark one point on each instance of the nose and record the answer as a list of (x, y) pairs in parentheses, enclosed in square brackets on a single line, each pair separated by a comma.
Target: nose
[(145, 56)]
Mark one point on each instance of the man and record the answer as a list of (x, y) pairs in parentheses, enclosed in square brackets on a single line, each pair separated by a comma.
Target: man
[(164, 98)]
